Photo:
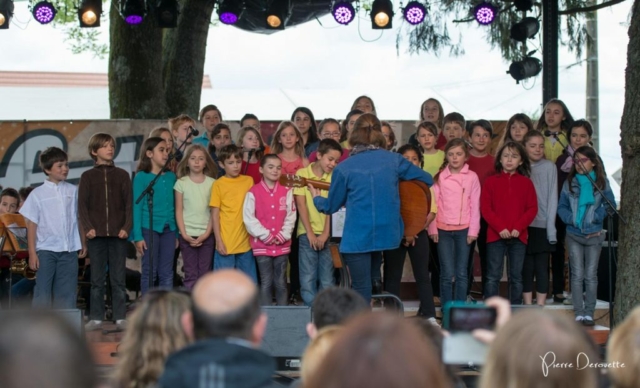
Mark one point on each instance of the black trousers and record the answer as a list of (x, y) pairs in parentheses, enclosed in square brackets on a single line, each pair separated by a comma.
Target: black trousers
[(108, 252), (419, 256), (557, 259)]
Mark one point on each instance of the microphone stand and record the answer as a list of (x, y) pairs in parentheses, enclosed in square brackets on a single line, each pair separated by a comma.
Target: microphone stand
[(148, 192), (611, 211), (246, 166)]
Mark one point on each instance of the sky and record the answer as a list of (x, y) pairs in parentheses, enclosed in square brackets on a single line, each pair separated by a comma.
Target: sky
[(359, 60)]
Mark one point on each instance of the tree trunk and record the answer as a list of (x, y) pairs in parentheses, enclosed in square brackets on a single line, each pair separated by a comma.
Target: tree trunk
[(184, 56), (136, 90), (627, 291)]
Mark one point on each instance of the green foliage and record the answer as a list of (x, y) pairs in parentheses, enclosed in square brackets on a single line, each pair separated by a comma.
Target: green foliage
[(80, 40), (433, 35)]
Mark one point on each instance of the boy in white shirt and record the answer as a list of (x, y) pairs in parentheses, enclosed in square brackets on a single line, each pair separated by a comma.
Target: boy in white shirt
[(51, 212)]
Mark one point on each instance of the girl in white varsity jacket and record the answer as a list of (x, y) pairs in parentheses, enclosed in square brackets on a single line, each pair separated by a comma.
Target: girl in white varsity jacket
[(269, 215)]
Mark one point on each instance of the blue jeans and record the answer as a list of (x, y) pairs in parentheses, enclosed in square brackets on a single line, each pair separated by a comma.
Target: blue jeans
[(164, 246), (584, 254), (453, 252), (515, 251), (316, 270), (57, 279), (241, 261), (359, 265)]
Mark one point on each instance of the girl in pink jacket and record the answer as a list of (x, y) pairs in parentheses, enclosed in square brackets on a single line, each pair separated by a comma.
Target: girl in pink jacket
[(457, 192)]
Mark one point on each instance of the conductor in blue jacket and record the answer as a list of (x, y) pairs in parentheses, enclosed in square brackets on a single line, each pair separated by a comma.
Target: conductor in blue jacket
[(366, 183)]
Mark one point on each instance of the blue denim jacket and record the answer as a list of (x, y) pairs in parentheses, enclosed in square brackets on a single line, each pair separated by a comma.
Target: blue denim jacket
[(367, 184), (593, 217)]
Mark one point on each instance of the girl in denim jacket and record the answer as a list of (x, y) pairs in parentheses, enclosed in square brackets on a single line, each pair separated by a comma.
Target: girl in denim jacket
[(583, 209)]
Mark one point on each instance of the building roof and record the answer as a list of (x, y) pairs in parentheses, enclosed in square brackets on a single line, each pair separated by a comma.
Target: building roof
[(85, 96)]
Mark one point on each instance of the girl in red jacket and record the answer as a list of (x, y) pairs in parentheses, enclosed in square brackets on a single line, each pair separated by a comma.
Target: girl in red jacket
[(457, 194), (508, 203)]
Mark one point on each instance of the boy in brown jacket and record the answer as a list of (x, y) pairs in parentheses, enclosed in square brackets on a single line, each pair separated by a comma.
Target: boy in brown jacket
[(104, 210)]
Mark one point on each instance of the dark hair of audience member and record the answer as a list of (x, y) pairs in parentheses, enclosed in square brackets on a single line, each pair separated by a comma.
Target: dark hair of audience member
[(237, 323), (533, 338), (154, 331), (40, 349), (380, 350), (334, 305)]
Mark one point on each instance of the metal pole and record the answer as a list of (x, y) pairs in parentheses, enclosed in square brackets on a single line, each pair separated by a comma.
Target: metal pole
[(550, 31), (592, 102)]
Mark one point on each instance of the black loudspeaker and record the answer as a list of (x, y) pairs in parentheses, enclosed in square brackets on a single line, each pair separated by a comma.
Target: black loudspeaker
[(286, 336)]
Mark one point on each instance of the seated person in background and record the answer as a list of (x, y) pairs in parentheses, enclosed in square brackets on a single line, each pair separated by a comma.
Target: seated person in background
[(228, 326), (154, 332), (9, 201), (373, 351), (334, 306), (624, 348), (40, 349)]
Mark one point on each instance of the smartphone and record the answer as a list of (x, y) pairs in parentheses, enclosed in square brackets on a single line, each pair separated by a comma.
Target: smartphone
[(460, 319), (460, 316)]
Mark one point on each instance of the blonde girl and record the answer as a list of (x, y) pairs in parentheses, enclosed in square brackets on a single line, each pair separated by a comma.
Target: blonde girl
[(288, 145), (192, 192), (427, 135), (250, 140), (154, 332), (457, 194)]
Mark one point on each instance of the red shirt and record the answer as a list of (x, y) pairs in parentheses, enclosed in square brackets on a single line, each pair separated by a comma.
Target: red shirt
[(483, 166), (441, 142), (253, 171), (508, 201)]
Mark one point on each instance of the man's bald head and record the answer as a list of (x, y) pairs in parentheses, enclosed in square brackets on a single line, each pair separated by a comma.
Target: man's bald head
[(226, 304), (223, 291)]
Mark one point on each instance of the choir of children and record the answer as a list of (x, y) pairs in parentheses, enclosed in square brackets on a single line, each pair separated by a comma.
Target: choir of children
[(227, 199)]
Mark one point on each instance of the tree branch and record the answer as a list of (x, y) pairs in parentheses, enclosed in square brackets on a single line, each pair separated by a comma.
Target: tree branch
[(596, 7)]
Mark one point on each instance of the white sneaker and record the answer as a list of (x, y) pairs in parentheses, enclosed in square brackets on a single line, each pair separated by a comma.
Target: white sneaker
[(433, 321), (121, 324), (93, 325), (579, 318)]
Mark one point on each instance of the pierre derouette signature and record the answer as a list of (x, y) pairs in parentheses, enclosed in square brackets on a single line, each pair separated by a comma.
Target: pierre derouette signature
[(582, 362)]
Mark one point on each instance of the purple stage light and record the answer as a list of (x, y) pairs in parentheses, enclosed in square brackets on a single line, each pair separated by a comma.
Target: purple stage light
[(485, 13), (133, 19), (228, 18), (44, 12), (343, 12), (414, 13)]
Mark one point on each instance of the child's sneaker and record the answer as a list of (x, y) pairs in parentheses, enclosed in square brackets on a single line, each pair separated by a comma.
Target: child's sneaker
[(121, 324), (93, 325)]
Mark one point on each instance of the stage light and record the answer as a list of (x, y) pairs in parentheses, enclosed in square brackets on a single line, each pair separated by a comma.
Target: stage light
[(230, 11), (381, 14), (89, 13), (414, 13), (525, 29), (278, 14), (523, 5), (133, 11), (6, 13), (526, 68), (44, 12), (343, 12), (167, 12), (485, 13)]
